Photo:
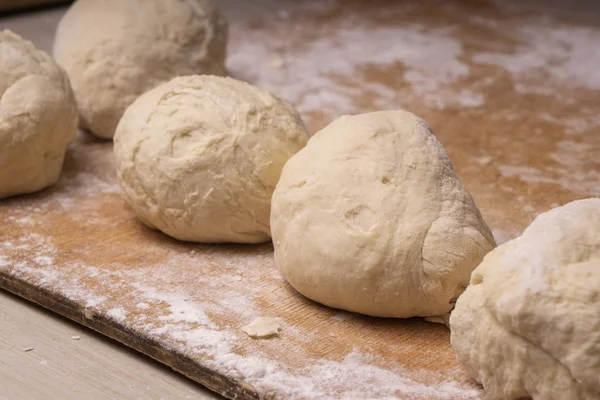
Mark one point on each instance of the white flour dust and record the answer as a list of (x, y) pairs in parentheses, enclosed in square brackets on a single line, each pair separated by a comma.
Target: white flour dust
[(181, 308), (574, 126), (40, 266), (325, 379), (119, 314), (183, 325), (547, 52), (324, 70), (427, 58), (22, 220), (567, 174)]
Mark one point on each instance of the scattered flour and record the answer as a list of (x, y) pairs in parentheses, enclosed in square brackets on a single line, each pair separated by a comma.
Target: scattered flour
[(118, 314), (575, 126), (342, 316), (528, 208), (468, 98), (583, 182), (94, 301), (328, 379), (547, 53), (181, 309), (314, 67), (184, 326), (428, 59), (483, 160), (21, 220), (44, 260)]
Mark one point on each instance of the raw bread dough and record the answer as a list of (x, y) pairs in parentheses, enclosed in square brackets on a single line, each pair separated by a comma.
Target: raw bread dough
[(262, 327), (529, 323), (115, 50), (371, 218), (199, 157), (38, 117)]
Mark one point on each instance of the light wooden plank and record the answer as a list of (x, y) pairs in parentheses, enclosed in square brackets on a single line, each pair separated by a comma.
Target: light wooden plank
[(68, 361)]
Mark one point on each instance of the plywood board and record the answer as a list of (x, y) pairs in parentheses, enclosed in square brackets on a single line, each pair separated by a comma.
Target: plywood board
[(512, 95)]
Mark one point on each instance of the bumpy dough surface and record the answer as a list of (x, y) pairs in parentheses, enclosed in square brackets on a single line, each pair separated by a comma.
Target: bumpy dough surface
[(38, 117), (370, 217), (115, 50), (529, 323), (199, 157)]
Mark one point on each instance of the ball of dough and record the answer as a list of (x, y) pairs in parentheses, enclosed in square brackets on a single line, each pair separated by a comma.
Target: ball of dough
[(199, 157), (528, 326), (38, 117), (115, 50), (370, 217)]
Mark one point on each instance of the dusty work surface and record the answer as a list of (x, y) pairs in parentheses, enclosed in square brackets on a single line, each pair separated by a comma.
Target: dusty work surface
[(513, 95)]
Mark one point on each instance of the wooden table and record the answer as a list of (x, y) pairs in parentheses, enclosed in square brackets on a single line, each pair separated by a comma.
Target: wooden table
[(513, 94), (69, 361)]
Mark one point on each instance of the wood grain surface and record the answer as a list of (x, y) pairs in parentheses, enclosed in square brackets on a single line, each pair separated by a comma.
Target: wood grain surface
[(514, 97)]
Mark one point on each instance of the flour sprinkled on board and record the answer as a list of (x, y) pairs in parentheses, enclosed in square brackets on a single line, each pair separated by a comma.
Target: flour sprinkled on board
[(40, 265), (22, 221), (119, 314), (547, 52), (180, 307), (158, 300), (585, 182), (44, 260), (312, 74), (575, 126), (424, 63)]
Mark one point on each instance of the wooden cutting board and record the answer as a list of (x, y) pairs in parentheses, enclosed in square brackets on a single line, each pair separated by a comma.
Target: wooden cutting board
[(515, 98)]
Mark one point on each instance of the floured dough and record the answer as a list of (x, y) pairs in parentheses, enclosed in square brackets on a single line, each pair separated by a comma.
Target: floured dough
[(199, 157), (115, 50), (38, 117), (262, 327), (528, 326), (370, 217)]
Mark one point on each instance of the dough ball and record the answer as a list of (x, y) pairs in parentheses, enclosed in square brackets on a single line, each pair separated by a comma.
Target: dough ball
[(115, 50), (528, 326), (38, 117), (371, 218), (199, 157)]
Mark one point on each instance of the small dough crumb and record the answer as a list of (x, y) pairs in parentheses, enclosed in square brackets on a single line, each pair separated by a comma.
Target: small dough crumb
[(440, 319), (262, 327)]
